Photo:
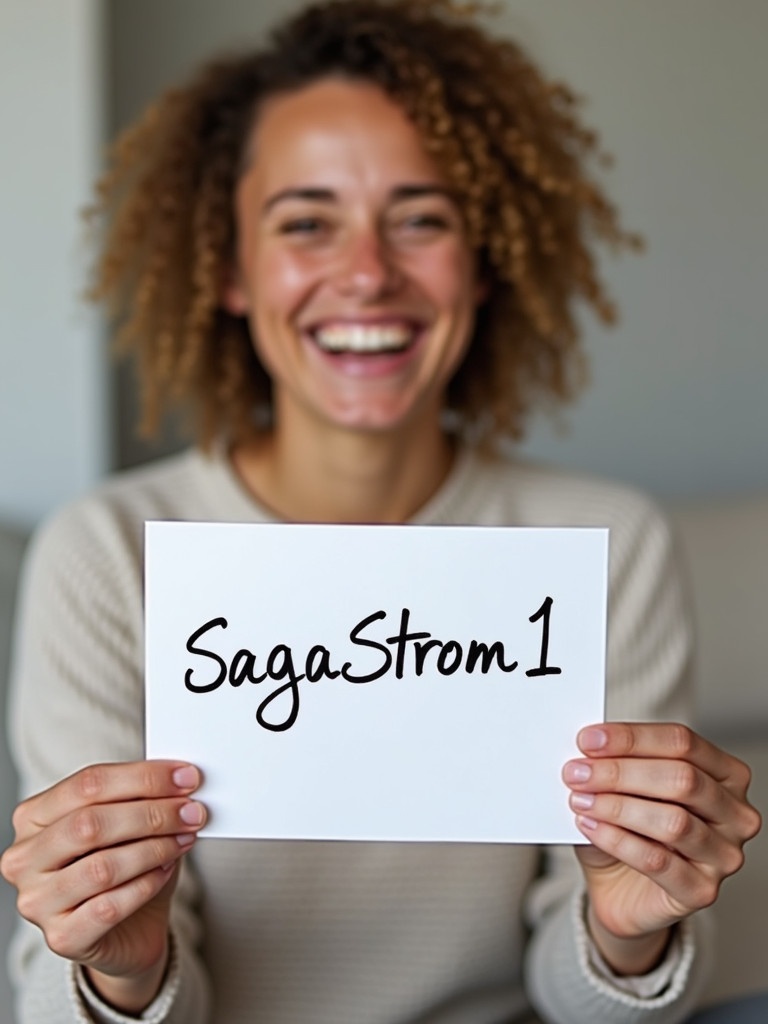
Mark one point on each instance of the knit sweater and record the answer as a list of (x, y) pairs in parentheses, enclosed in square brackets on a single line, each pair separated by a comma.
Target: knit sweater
[(333, 932)]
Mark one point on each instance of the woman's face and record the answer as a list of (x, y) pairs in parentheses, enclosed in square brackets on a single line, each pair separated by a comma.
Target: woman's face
[(353, 265)]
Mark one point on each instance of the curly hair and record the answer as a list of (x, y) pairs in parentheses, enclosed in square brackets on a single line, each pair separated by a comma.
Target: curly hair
[(509, 142)]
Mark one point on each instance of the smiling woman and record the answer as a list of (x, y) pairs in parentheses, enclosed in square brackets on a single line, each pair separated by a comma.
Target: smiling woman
[(476, 121), (354, 256), (353, 269)]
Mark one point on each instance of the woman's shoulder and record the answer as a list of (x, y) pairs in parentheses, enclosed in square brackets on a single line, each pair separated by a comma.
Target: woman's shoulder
[(108, 520), (521, 492)]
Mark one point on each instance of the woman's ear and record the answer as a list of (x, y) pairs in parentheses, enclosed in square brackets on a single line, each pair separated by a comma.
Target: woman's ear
[(233, 297)]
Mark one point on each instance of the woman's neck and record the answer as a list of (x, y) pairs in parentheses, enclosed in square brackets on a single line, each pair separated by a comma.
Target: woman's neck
[(343, 476)]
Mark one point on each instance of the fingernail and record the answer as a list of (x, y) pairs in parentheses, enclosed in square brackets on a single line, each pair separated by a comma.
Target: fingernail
[(577, 771), (186, 777), (186, 838), (582, 801), (593, 739), (584, 822), (192, 814)]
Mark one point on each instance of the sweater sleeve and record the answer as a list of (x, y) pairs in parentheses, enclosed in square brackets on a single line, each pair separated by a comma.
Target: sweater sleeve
[(649, 671), (77, 699)]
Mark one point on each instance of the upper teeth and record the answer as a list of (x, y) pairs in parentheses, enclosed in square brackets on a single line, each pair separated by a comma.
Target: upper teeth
[(363, 338)]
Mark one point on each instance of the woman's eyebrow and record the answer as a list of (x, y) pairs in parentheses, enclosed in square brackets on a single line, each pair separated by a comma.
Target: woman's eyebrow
[(399, 193), (321, 195), (417, 191)]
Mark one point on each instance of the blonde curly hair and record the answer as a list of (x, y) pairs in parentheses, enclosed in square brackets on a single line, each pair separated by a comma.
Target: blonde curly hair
[(509, 142)]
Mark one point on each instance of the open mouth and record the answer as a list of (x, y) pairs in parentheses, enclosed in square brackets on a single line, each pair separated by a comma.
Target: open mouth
[(365, 339)]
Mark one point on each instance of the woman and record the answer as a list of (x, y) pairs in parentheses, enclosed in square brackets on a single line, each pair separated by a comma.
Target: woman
[(354, 256)]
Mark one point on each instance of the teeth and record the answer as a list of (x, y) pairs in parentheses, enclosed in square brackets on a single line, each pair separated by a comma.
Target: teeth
[(364, 338)]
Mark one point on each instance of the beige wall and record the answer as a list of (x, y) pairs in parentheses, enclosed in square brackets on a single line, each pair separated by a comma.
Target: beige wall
[(678, 88)]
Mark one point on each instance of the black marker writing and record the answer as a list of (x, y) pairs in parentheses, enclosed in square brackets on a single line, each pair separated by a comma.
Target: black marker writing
[(409, 651), (544, 669)]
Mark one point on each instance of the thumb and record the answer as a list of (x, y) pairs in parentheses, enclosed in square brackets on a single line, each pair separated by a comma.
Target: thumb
[(164, 896)]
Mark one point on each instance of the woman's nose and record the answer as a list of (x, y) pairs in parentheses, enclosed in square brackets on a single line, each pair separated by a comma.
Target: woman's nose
[(367, 268)]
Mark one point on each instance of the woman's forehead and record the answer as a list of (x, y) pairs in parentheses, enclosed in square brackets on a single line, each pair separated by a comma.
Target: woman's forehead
[(337, 129)]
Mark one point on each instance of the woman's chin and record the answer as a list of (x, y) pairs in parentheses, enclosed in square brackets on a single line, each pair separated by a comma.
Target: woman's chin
[(372, 417)]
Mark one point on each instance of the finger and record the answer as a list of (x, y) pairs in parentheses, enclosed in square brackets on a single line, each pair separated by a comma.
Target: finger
[(103, 826), (63, 891), (669, 824), (669, 741), (671, 782), (88, 829), (102, 784), (687, 887), (77, 935), (677, 782)]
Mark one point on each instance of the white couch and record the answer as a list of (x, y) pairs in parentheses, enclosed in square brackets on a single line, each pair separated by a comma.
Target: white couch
[(725, 545)]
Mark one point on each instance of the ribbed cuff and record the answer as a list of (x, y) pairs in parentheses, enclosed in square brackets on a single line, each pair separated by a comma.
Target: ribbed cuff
[(644, 986), (666, 980), (566, 986), (156, 1013)]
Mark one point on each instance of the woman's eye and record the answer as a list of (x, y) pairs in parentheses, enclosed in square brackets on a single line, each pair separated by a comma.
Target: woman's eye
[(308, 226), (422, 226), (426, 221)]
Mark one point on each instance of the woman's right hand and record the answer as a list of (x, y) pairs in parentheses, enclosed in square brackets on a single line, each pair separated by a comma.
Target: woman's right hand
[(94, 861)]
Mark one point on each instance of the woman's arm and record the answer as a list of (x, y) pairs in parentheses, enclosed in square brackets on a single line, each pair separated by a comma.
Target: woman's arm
[(105, 834), (649, 672)]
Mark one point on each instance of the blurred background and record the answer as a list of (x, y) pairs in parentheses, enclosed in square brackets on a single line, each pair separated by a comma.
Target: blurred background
[(677, 88)]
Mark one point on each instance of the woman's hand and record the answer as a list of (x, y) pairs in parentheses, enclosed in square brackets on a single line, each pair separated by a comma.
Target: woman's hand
[(94, 862), (667, 815)]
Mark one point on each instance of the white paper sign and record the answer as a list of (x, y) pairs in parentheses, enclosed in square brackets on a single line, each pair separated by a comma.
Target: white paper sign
[(376, 682)]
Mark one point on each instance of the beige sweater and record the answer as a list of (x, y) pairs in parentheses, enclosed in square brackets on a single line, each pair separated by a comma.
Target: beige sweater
[(334, 933)]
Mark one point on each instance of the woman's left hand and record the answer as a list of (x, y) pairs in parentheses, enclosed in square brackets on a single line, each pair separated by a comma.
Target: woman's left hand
[(667, 816)]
